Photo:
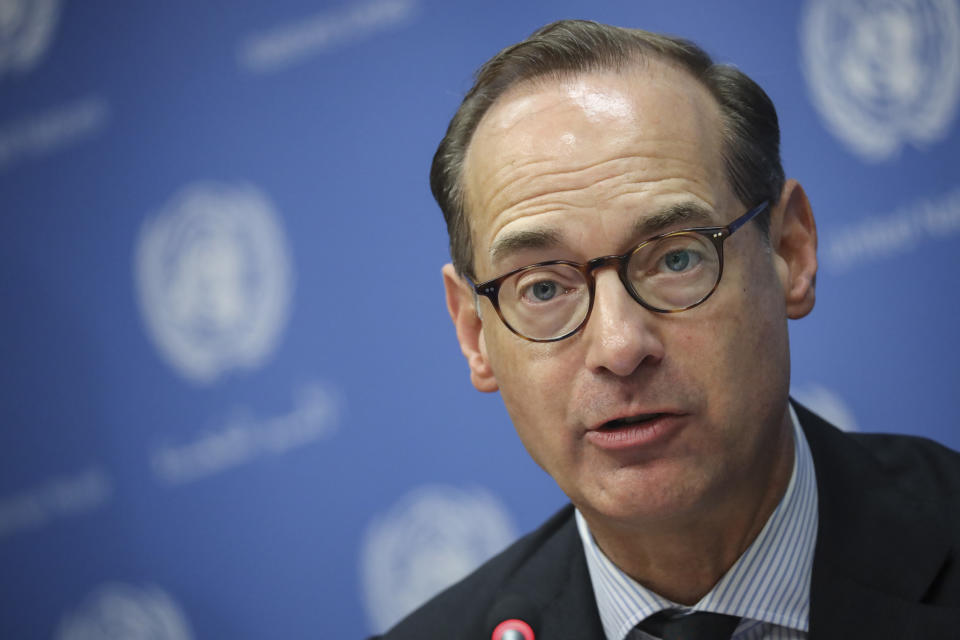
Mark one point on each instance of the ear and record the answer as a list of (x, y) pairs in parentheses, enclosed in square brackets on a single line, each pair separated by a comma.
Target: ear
[(793, 236), (463, 312)]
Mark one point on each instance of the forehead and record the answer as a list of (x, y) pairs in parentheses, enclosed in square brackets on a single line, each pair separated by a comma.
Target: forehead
[(593, 145)]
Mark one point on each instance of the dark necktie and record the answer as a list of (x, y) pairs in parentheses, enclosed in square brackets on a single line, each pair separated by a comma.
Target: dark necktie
[(699, 625)]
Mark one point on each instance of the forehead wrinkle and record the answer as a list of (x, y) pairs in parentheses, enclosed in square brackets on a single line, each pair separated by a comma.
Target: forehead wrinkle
[(582, 179), (512, 112), (564, 181)]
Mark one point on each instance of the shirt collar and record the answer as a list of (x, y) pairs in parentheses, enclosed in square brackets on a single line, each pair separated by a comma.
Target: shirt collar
[(769, 583)]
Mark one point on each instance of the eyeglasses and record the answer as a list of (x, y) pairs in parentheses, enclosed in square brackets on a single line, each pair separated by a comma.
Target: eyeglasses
[(667, 273)]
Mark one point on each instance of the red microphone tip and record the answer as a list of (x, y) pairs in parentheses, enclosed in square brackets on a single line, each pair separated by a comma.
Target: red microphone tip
[(512, 629)]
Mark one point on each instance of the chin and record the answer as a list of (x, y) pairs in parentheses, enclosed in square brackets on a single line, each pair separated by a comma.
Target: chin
[(641, 501)]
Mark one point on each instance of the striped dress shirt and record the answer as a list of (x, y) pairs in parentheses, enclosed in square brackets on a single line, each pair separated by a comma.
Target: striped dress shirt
[(768, 586)]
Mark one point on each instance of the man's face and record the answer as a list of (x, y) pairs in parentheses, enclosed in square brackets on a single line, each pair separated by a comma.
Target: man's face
[(578, 169)]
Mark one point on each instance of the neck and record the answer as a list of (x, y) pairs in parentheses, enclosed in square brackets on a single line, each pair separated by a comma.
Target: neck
[(683, 557)]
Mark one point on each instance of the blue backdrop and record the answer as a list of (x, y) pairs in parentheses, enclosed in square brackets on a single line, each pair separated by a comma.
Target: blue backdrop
[(233, 405)]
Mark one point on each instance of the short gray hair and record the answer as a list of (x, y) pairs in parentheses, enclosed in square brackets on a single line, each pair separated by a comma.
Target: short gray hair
[(751, 132)]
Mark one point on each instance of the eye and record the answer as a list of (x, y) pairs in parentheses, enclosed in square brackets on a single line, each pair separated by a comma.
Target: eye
[(680, 260), (542, 291), (547, 285)]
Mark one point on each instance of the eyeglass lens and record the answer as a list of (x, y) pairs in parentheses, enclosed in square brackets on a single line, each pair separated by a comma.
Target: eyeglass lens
[(669, 274)]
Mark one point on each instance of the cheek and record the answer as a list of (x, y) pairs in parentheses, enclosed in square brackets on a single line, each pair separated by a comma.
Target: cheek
[(533, 386), (534, 383), (754, 345), (734, 347)]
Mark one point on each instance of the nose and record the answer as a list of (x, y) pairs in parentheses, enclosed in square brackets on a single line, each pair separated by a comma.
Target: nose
[(620, 333)]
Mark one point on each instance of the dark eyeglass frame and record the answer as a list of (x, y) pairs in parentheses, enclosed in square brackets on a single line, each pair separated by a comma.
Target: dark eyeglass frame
[(491, 288)]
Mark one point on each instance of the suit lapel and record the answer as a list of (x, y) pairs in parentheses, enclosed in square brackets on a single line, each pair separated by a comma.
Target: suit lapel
[(573, 614), (880, 546), (557, 584)]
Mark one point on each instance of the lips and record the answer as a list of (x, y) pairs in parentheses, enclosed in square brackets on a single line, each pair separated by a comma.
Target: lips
[(638, 431)]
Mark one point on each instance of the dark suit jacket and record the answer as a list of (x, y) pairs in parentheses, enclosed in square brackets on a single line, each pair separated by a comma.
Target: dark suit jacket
[(886, 564)]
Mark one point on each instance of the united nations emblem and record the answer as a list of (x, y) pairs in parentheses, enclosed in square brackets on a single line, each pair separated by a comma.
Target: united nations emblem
[(125, 612), (430, 539), (883, 72), (214, 279), (25, 30)]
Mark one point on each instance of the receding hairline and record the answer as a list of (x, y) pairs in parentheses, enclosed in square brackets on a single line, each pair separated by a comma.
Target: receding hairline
[(639, 64), (749, 131)]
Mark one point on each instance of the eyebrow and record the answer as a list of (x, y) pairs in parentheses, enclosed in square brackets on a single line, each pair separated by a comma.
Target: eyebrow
[(684, 214), (523, 240)]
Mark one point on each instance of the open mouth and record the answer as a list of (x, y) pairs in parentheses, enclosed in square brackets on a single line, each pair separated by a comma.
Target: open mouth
[(630, 421)]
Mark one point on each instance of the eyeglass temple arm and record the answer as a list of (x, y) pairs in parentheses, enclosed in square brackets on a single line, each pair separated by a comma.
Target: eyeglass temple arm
[(747, 217)]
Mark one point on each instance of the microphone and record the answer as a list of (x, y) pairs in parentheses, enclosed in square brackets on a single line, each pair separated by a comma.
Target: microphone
[(513, 617), (512, 629)]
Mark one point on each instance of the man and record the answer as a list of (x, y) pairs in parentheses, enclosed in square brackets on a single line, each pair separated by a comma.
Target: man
[(626, 254)]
